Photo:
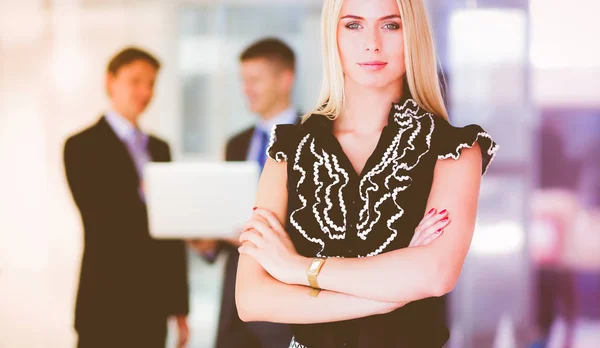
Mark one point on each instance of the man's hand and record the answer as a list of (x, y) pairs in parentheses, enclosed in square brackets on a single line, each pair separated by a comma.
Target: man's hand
[(183, 331)]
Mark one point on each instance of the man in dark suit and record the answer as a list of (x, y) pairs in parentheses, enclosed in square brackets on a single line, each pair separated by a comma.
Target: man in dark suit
[(268, 73), (129, 283)]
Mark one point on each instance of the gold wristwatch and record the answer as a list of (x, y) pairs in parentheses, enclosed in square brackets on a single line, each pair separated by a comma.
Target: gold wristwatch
[(313, 271)]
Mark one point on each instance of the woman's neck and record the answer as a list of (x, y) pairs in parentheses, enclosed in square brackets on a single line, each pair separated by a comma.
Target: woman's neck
[(366, 109)]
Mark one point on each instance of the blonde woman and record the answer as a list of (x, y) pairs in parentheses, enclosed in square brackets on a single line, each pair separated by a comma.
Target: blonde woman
[(366, 210)]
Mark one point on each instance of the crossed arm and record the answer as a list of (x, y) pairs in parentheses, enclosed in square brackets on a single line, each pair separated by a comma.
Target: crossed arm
[(349, 291)]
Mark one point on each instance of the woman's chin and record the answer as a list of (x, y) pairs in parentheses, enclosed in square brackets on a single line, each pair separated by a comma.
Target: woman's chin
[(374, 83)]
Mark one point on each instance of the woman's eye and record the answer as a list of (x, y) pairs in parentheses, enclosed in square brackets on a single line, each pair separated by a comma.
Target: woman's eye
[(353, 25), (391, 26)]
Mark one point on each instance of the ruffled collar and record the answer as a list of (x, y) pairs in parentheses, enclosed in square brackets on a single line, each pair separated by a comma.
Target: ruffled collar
[(400, 115)]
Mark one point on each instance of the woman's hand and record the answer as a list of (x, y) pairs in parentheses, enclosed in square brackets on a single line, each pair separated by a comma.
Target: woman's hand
[(265, 240), (430, 228)]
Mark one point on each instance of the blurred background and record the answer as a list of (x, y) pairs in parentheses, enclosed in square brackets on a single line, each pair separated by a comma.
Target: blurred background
[(527, 71)]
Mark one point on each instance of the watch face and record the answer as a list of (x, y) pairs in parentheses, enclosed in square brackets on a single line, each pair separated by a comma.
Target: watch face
[(314, 266)]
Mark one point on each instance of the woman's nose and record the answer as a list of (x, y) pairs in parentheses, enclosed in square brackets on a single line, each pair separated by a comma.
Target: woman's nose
[(372, 41)]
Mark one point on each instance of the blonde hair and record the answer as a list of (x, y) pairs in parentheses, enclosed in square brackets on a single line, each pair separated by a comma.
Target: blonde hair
[(420, 58)]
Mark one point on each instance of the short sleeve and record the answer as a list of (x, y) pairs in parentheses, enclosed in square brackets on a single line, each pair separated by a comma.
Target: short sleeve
[(451, 140), (283, 141)]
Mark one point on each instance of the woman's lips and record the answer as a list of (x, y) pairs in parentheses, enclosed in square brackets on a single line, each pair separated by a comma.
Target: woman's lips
[(373, 66)]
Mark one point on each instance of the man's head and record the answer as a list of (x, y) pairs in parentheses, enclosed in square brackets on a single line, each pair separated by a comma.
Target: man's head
[(268, 72), (130, 78)]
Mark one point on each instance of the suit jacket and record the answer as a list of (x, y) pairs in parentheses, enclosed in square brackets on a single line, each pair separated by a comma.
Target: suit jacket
[(126, 276), (232, 331)]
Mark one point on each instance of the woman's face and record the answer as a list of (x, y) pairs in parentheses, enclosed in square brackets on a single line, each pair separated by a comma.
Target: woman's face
[(370, 40)]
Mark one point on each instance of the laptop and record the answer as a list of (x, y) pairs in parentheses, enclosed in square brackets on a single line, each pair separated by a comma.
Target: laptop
[(199, 199)]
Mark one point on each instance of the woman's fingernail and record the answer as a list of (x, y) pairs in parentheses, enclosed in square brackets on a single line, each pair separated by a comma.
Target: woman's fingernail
[(445, 220), (431, 211), (439, 231), (443, 212), (254, 208)]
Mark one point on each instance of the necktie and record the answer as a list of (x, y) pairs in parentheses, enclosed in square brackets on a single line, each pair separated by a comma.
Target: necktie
[(263, 143), (136, 144)]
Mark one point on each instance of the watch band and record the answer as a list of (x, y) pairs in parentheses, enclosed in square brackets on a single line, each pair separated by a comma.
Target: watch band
[(313, 271), (314, 292)]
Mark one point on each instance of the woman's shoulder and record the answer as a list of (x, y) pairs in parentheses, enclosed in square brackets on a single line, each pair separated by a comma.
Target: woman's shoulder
[(286, 139), (449, 141), (445, 139), (283, 140)]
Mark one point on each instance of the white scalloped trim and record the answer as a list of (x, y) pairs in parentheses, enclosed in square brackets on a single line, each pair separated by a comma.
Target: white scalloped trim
[(279, 155), (329, 167), (294, 344), (403, 165), (319, 184), (324, 160), (379, 168), (390, 221), (491, 151), (409, 121), (302, 198), (405, 118)]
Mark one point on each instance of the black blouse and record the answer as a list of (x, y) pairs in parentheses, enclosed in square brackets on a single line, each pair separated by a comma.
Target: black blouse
[(334, 212)]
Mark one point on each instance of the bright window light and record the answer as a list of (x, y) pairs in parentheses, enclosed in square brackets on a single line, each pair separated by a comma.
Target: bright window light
[(565, 33), (487, 36), (504, 237)]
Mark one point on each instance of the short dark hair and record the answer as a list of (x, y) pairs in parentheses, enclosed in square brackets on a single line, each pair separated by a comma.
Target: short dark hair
[(130, 55), (273, 50)]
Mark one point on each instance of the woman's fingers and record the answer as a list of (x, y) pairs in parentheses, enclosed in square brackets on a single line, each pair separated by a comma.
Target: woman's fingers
[(253, 237), (431, 219), (432, 237), (259, 225), (433, 232), (271, 219), (248, 249), (429, 214), (246, 227)]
